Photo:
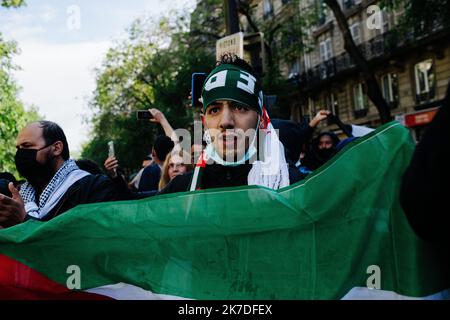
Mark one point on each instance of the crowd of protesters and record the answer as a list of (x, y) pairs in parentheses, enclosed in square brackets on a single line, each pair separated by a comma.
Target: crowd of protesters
[(232, 103)]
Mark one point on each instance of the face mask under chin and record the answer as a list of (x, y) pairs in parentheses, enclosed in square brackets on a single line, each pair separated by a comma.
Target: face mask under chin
[(231, 159), (249, 153)]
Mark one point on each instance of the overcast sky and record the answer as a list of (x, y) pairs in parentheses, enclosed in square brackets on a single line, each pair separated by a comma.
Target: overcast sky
[(59, 51)]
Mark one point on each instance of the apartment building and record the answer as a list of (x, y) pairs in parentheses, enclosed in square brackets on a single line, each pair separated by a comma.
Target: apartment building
[(413, 72)]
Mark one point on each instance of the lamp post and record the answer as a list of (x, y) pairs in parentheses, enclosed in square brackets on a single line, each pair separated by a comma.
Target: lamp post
[(231, 16)]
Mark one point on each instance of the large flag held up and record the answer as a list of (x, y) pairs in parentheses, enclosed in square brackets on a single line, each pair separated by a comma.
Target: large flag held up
[(327, 237)]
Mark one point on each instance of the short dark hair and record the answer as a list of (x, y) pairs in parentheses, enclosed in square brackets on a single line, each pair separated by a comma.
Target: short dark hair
[(234, 60), (53, 133), (163, 145), (89, 166)]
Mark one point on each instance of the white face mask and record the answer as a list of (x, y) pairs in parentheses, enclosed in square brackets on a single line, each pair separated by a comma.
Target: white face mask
[(212, 153)]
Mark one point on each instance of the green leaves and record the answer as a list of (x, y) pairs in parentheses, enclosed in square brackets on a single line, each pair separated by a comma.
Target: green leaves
[(12, 3), (420, 16), (150, 69), (12, 113), (13, 116)]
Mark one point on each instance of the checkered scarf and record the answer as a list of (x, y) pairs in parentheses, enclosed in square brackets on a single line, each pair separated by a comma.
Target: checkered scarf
[(61, 181)]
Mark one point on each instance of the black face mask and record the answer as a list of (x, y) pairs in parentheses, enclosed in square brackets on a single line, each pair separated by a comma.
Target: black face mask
[(30, 168), (325, 154)]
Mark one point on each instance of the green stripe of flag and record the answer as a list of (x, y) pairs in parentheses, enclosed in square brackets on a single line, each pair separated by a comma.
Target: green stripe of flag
[(312, 240)]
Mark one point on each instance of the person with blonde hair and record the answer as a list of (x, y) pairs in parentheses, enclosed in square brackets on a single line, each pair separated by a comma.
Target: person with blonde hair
[(174, 165)]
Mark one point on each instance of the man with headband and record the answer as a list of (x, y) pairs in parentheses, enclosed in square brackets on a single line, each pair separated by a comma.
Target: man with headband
[(242, 146)]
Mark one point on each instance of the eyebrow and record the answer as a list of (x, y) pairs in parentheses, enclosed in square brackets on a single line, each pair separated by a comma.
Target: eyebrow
[(25, 144)]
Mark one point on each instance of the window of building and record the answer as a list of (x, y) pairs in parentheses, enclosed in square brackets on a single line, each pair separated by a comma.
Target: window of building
[(267, 8), (294, 69), (425, 81), (359, 98), (355, 30), (326, 50), (331, 104), (307, 60), (389, 87)]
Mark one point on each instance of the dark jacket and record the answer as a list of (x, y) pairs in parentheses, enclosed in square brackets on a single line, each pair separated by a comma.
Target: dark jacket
[(218, 176), (90, 189), (424, 192), (150, 178), (293, 136)]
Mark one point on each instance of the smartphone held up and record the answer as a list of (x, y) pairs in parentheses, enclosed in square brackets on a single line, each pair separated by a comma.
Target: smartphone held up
[(144, 115), (111, 152)]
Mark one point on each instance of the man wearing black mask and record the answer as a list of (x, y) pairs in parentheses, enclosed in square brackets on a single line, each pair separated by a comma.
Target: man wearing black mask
[(54, 184), (322, 150)]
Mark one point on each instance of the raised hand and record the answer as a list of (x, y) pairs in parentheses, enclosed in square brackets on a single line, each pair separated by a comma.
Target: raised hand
[(12, 210), (111, 164)]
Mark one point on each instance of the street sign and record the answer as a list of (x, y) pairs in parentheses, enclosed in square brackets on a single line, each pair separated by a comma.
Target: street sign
[(249, 47), (420, 118), (233, 44)]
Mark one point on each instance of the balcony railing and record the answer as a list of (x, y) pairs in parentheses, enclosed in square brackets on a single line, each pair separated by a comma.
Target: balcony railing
[(371, 49), (381, 46)]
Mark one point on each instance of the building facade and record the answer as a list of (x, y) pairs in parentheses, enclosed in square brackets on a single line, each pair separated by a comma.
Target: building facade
[(413, 72)]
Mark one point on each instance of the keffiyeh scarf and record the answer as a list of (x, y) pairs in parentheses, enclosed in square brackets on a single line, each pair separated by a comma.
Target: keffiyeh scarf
[(64, 178)]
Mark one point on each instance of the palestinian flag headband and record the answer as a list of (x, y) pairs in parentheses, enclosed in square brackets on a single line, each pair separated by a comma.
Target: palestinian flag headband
[(229, 82)]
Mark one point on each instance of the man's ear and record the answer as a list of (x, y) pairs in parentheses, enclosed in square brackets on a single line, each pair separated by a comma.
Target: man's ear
[(58, 148)]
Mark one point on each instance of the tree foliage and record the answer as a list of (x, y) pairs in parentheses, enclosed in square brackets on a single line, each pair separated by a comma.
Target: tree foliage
[(208, 23), (12, 3), (421, 16), (13, 116), (151, 68)]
